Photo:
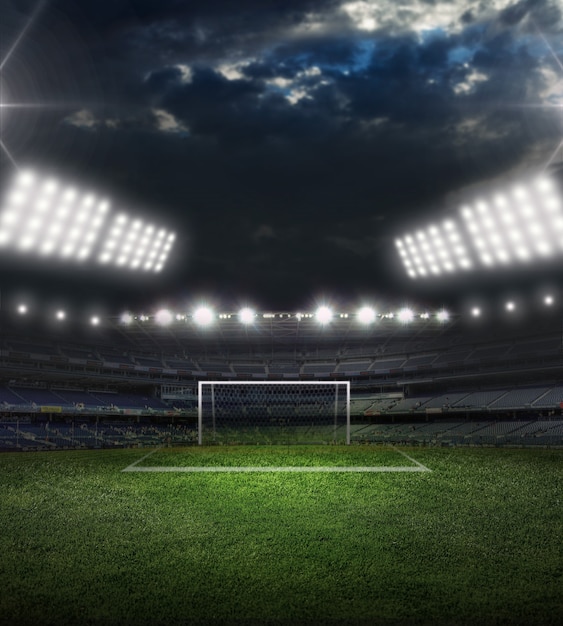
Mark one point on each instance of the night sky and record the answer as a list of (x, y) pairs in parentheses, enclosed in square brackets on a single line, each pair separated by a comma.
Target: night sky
[(287, 142)]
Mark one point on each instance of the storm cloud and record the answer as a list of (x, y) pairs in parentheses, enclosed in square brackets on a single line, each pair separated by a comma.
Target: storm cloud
[(288, 142)]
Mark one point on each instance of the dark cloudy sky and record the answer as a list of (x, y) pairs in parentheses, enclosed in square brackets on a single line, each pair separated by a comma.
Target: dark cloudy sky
[(288, 142)]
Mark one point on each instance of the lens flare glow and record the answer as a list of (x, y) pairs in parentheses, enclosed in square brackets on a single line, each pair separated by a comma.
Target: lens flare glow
[(46, 218), (203, 316), (324, 315)]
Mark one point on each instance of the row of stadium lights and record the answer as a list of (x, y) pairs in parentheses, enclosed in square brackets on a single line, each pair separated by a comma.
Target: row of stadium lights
[(205, 316), (517, 225), (48, 218), (324, 315)]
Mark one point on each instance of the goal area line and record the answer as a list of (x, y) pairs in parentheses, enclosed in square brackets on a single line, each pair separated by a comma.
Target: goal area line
[(231, 469)]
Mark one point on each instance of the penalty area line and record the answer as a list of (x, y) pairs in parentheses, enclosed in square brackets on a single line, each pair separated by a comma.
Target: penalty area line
[(421, 467), (131, 468), (134, 467), (198, 469)]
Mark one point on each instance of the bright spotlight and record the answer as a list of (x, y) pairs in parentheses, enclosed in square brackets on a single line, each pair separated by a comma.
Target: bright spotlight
[(163, 317), (476, 311), (405, 316), (203, 316), (43, 216), (50, 209), (443, 316), (95, 320), (323, 315), (126, 318), (512, 226), (246, 315), (548, 300), (366, 315), (60, 315), (438, 249), (510, 306), (135, 245), (22, 309)]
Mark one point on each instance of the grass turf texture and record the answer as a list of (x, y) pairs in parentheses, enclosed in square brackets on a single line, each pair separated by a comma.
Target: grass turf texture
[(277, 456), (477, 540)]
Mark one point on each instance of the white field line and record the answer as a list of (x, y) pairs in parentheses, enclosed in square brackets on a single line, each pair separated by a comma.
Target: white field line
[(133, 466), (274, 468), (423, 468), (137, 467)]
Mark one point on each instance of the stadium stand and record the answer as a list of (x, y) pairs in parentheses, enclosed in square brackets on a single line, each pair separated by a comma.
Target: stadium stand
[(446, 385)]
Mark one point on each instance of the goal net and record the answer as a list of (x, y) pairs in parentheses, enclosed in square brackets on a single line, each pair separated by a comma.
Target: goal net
[(273, 412)]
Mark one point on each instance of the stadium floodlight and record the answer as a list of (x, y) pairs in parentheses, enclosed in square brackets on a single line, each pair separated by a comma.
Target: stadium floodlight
[(163, 317), (517, 224), (521, 224), (246, 315), (405, 315), (135, 245), (324, 315), (203, 316), (52, 219), (443, 316), (437, 250), (366, 315), (48, 218), (126, 318)]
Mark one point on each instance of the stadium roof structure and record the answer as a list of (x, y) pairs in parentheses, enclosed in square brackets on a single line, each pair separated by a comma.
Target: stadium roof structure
[(273, 332)]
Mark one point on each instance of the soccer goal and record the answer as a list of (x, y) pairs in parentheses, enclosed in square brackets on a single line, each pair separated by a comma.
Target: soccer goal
[(273, 412)]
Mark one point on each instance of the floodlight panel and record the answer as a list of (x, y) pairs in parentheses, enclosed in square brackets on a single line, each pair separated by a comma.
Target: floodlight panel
[(519, 224), (203, 316), (126, 318), (135, 245), (405, 315), (246, 315), (443, 315), (324, 315), (164, 317), (366, 315), (42, 216), (46, 217), (436, 250)]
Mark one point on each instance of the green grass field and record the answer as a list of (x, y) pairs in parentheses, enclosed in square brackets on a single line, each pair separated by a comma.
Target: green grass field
[(478, 540)]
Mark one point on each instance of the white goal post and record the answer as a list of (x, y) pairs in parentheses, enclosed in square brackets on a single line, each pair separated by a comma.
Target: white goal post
[(271, 412)]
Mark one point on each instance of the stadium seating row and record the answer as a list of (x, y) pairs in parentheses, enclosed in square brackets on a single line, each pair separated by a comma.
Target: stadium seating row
[(429, 357), (22, 436)]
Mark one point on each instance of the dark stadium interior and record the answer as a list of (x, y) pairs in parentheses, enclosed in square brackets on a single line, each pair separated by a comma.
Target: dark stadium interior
[(464, 381), (281, 312)]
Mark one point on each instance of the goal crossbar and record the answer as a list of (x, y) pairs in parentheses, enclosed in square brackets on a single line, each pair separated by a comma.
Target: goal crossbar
[(212, 402)]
